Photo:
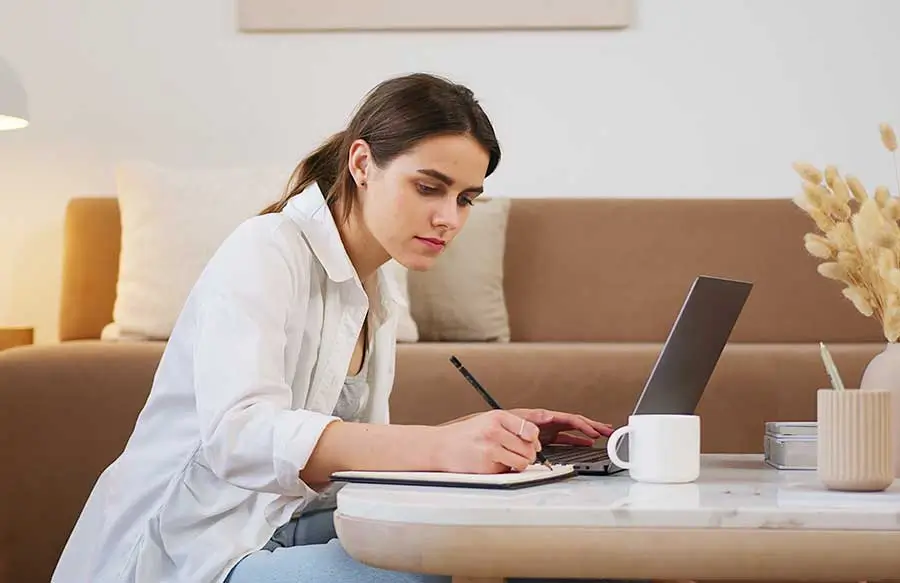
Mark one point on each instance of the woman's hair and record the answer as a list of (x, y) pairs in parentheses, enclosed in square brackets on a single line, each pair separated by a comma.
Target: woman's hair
[(392, 119)]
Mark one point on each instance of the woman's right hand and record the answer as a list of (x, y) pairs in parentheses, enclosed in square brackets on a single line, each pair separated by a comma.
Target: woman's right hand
[(492, 442)]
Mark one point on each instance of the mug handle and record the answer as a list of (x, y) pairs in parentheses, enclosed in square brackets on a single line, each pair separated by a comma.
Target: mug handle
[(613, 443)]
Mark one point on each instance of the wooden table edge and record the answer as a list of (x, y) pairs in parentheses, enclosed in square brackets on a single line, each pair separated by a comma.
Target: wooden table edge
[(494, 552)]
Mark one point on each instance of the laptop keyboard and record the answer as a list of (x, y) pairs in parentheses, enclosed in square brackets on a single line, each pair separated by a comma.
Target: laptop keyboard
[(563, 454)]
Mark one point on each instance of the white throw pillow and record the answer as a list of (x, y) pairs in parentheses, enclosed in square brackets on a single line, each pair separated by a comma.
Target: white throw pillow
[(173, 220)]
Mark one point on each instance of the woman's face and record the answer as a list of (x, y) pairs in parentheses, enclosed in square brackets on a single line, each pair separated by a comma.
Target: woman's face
[(417, 204)]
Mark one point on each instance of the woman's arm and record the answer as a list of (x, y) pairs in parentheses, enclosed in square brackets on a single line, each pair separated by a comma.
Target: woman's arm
[(250, 434), (490, 442), (365, 446), (344, 446)]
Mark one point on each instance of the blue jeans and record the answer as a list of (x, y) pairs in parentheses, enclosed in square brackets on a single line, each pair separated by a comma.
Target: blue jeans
[(307, 550)]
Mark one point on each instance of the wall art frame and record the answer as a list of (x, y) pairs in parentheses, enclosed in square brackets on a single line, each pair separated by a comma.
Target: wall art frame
[(261, 16)]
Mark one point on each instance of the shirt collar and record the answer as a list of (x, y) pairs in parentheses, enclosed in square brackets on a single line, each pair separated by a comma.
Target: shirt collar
[(310, 210), (312, 213)]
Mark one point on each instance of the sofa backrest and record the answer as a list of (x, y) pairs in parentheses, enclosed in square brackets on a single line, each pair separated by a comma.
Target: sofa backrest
[(580, 269), (90, 269), (619, 269)]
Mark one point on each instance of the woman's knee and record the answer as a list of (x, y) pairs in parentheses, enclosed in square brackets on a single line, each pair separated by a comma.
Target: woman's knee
[(317, 564)]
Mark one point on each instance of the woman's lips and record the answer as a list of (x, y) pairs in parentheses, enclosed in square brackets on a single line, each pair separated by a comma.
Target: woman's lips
[(435, 244)]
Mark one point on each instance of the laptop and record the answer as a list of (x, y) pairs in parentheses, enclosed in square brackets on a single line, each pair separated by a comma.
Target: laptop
[(682, 369)]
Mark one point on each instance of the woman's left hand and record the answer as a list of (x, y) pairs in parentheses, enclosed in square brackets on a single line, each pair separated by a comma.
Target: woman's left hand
[(552, 424)]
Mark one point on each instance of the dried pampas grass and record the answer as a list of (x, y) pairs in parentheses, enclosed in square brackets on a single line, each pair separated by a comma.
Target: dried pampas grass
[(888, 137), (859, 238)]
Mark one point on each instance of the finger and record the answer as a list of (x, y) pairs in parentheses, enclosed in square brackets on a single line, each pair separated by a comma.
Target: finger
[(569, 439), (522, 450), (594, 429), (526, 431), (510, 450), (578, 422), (600, 426), (603, 429), (511, 459), (536, 416), (516, 444)]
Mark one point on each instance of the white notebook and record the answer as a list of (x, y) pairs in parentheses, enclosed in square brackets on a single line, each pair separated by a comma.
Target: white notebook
[(532, 475)]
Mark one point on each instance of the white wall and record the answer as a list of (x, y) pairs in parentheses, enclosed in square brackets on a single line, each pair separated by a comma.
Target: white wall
[(701, 98)]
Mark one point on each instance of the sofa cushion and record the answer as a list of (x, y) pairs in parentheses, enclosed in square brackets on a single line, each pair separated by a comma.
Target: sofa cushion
[(172, 221), (90, 268), (752, 384), (461, 298), (66, 411), (618, 270)]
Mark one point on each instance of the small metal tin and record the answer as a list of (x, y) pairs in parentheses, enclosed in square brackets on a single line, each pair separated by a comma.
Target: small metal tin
[(791, 445), (792, 428)]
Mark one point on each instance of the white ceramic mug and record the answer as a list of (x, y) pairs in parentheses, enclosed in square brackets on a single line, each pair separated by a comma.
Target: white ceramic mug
[(661, 448)]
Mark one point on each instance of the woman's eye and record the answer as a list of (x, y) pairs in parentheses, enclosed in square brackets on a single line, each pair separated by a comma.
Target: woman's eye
[(425, 189), (465, 201)]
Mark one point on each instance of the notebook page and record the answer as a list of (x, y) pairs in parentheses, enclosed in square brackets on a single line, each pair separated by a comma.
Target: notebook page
[(531, 473)]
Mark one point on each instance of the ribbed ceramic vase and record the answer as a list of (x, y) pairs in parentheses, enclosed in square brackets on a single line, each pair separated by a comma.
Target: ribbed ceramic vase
[(883, 374), (855, 440)]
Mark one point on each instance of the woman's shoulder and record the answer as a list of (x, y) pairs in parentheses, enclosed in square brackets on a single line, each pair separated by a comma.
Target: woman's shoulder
[(263, 244), (273, 231)]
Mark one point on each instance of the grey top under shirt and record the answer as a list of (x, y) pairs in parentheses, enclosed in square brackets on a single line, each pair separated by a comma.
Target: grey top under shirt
[(351, 403)]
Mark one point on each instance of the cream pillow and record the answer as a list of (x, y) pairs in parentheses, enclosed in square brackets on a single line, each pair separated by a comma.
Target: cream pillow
[(173, 220), (461, 297)]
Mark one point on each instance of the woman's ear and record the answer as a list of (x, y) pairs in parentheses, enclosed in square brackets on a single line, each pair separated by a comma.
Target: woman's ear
[(360, 161)]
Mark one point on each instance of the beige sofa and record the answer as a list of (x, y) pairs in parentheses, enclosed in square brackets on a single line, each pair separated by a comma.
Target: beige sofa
[(592, 286)]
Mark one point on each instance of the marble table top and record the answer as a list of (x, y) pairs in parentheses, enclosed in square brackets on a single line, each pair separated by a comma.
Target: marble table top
[(733, 491)]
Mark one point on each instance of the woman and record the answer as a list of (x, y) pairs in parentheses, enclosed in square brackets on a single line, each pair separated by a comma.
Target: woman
[(278, 370)]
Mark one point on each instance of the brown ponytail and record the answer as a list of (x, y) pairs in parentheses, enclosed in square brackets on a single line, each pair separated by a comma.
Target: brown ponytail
[(321, 166), (395, 115)]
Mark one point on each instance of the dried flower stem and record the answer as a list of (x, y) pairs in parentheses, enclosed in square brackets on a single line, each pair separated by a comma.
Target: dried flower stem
[(896, 170), (889, 140), (860, 237)]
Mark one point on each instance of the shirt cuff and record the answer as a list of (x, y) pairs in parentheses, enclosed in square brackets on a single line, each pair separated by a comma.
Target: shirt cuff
[(296, 437)]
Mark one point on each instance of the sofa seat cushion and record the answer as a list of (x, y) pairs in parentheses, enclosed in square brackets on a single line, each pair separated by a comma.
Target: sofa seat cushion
[(752, 384), (66, 411)]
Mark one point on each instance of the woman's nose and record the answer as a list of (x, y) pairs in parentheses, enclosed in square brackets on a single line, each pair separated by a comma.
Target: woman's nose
[(447, 215)]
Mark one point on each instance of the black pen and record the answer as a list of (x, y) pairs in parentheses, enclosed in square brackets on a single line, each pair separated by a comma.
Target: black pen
[(487, 397)]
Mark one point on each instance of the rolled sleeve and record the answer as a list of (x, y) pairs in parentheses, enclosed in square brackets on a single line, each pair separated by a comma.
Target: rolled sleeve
[(294, 443), (250, 435)]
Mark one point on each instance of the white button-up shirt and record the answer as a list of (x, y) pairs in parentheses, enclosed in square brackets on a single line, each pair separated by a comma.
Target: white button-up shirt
[(246, 385)]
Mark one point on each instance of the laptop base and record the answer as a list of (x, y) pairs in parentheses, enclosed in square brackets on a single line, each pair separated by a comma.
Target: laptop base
[(586, 460)]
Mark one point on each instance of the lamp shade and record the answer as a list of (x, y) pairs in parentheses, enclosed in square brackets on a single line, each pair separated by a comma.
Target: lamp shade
[(13, 101)]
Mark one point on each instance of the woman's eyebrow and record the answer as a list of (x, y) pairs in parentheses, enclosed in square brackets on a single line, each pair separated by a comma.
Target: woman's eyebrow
[(446, 179)]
